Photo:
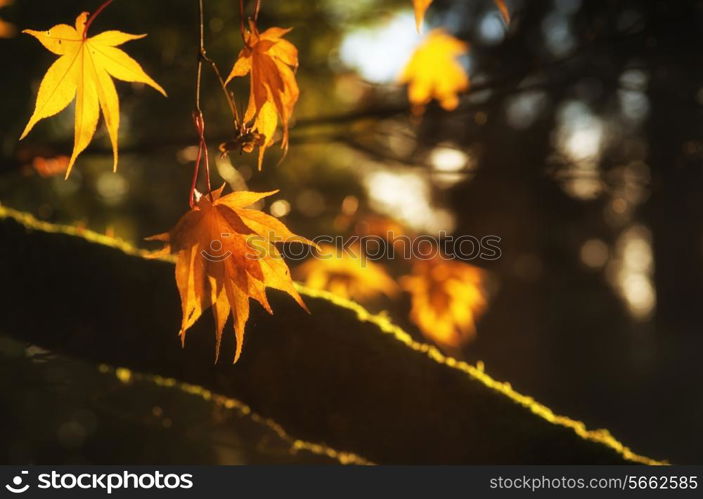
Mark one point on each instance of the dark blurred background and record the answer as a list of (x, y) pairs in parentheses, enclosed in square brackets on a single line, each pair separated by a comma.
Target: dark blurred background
[(579, 145)]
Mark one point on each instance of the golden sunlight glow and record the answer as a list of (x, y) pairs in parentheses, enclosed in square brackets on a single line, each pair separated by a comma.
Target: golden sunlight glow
[(450, 166), (233, 176), (280, 208), (407, 197), (448, 159), (579, 141), (631, 272), (378, 53)]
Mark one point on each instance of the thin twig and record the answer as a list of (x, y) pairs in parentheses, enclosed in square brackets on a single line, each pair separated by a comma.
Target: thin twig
[(228, 96), (203, 57), (242, 24), (93, 16), (191, 195), (198, 118), (201, 49), (199, 121), (241, 21)]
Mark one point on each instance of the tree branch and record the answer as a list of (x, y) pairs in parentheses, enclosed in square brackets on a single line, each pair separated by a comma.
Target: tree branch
[(403, 402)]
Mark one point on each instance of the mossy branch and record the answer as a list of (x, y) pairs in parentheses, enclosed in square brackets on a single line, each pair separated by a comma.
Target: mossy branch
[(339, 375)]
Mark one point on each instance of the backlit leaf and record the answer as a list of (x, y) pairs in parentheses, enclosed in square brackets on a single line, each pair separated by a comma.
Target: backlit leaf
[(346, 273), (270, 61), (225, 254), (434, 72), (84, 72), (447, 297)]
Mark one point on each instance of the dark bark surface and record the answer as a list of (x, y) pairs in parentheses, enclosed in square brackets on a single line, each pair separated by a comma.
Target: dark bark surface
[(327, 377), (58, 410)]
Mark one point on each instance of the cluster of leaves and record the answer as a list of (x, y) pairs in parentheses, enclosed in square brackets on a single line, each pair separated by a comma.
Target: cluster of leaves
[(447, 296), (225, 252), (206, 277)]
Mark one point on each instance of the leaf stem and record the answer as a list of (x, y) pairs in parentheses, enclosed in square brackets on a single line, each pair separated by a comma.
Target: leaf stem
[(196, 167), (228, 96), (198, 117), (93, 16), (199, 122), (241, 21), (242, 24), (203, 57)]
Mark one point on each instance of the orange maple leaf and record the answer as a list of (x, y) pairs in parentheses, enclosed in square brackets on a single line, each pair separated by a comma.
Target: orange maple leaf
[(346, 273), (271, 62), (381, 226), (421, 6), (504, 12), (433, 72), (225, 254), (447, 297), (48, 167), (7, 30)]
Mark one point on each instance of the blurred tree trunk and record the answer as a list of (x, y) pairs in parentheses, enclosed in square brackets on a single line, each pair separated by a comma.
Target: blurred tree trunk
[(675, 209)]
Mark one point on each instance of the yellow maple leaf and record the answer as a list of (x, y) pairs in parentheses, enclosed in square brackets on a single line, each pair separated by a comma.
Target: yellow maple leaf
[(447, 297), (421, 6), (434, 72), (84, 71), (271, 62), (346, 274), (225, 254)]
